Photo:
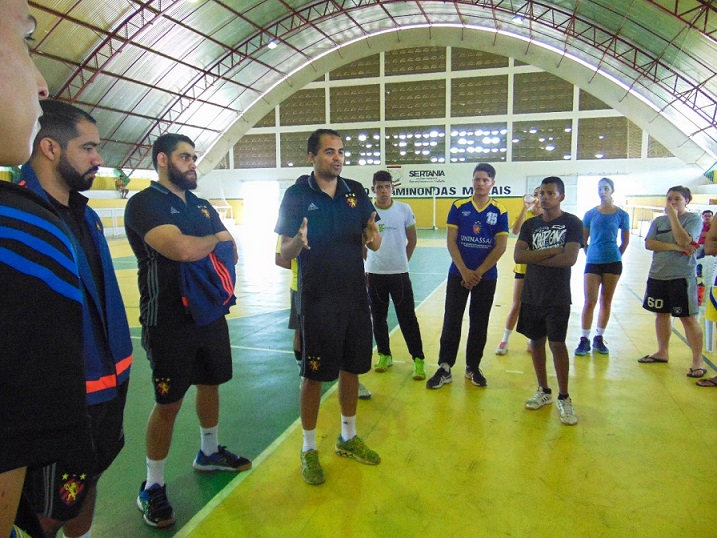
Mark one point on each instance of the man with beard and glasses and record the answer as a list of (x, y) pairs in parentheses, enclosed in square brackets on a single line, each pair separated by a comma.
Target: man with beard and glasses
[(64, 161), (169, 228)]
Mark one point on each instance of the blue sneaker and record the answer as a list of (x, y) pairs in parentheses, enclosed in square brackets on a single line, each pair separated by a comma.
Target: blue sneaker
[(440, 378), (222, 460), (155, 507), (583, 347), (599, 345)]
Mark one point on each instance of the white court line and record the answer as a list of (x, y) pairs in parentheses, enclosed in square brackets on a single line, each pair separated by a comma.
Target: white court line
[(265, 350), (193, 523)]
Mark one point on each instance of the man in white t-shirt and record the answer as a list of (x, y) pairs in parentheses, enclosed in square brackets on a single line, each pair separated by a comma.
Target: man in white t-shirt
[(387, 276)]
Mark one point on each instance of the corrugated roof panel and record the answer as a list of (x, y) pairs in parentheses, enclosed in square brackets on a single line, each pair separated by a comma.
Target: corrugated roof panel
[(146, 67), (55, 73), (100, 14), (193, 36), (218, 23), (170, 39), (67, 40)]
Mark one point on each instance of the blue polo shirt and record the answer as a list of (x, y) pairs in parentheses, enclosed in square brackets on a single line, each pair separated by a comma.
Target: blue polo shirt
[(330, 272), (477, 229)]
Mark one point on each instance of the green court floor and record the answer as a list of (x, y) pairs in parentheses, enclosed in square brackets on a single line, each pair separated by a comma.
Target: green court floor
[(257, 406)]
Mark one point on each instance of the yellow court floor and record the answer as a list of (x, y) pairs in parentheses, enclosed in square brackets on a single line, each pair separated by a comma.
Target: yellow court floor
[(469, 461)]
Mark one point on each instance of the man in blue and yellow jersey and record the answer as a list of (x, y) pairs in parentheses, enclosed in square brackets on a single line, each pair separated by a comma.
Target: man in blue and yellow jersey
[(477, 238)]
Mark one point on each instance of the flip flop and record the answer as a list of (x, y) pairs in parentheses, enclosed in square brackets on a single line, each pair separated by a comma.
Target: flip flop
[(696, 372), (649, 359), (712, 382)]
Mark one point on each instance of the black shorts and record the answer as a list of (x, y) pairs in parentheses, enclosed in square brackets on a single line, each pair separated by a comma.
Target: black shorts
[(536, 322), (612, 268), (58, 490), (336, 340), (677, 297), (294, 312), (185, 354)]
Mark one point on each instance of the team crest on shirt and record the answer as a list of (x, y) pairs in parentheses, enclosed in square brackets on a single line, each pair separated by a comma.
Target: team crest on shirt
[(351, 199), (204, 211), (314, 361), (71, 487), (476, 227), (162, 385), (492, 219)]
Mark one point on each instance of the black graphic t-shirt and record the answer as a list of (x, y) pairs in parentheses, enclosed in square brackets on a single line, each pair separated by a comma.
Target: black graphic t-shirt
[(549, 286)]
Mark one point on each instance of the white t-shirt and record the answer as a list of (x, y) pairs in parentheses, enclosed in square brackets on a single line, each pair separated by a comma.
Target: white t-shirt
[(391, 257)]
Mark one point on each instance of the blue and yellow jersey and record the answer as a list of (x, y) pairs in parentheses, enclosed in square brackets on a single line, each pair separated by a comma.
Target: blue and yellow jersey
[(477, 229)]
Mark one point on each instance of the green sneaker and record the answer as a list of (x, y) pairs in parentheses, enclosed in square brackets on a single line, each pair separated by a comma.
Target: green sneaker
[(419, 369), (311, 469), (357, 450), (384, 362)]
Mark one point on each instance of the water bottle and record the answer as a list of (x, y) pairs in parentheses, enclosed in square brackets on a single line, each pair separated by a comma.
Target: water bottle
[(529, 198)]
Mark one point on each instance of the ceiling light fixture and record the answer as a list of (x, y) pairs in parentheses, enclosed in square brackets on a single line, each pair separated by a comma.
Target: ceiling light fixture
[(272, 44)]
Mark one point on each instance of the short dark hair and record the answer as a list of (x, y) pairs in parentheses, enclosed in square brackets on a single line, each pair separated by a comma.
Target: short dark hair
[(485, 167), (59, 121), (708, 211), (609, 182), (166, 144), (555, 180), (382, 175), (314, 141), (684, 191)]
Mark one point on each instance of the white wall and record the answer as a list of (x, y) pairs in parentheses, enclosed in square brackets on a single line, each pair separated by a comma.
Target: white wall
[(637, 176)]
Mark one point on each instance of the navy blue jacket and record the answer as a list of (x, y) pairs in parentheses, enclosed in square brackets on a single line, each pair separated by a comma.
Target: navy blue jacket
[(107, 354), (208, 284)]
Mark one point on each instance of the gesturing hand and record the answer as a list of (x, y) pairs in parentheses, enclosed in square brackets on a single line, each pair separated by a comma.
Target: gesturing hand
[(370, 232), (303, 234)]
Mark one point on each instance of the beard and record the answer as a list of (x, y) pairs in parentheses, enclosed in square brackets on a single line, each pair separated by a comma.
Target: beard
[(186, 181), (77, 181)]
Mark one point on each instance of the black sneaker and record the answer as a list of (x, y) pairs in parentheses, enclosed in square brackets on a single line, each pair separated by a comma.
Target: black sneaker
[(440, 378), (477, 378), (155, 507)]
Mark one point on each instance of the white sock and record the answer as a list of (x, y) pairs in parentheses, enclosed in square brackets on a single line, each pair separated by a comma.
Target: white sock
[(210, 440), (506, 335), (600, 331), (155, 472), (586, 333), (348, 427), (445, 366), (309, 440)]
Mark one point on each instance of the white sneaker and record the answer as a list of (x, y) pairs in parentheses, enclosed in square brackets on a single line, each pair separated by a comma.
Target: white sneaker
[(363, 393), (502, 348), (567, 413), (539, 399)]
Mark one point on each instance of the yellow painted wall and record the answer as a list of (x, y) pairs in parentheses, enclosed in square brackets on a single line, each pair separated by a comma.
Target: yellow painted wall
[(107, 183), (238, 210)]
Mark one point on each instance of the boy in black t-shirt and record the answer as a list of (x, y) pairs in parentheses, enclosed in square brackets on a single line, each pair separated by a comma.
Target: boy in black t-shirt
[(549, 245)]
